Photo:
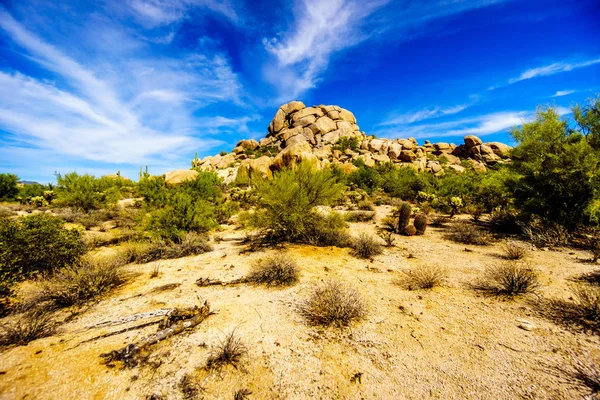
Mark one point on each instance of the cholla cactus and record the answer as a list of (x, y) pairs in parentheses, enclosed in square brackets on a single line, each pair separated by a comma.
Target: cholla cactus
[(421, 223), (423, 197), (455, 203)]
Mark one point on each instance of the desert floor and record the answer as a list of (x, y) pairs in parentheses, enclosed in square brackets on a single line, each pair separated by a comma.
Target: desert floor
[(451, 342)]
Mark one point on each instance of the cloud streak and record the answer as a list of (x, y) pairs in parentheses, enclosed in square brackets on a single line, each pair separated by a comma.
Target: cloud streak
[(421, 115), (552, 69), (138, 110)]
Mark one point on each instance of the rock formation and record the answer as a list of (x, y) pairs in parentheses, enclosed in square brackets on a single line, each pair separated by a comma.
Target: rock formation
[(312, 134)]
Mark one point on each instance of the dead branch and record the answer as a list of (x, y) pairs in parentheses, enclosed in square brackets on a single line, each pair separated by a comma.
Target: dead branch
[(216, 282)]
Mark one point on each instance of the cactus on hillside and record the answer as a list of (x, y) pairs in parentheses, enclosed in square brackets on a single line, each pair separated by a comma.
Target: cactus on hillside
[(404, 212), (421, 223)]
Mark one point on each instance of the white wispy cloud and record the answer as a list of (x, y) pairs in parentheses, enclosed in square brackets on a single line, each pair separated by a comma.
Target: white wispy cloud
[(481, 125), (155, 13), (138, 109), (554, 68), (425, 114), (561, 93), (320, 29)]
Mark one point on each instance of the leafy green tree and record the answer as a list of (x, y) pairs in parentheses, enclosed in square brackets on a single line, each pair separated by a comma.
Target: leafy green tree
[(8, 187), (558, 167)]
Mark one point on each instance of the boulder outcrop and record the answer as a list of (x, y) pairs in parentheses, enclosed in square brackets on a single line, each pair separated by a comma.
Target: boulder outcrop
[(314, 134)]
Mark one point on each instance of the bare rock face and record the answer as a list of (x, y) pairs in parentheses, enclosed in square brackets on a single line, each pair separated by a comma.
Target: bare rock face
[(299, 134), (179, 176)]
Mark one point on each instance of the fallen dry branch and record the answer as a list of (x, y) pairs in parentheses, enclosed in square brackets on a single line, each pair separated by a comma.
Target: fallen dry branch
[(202, 282), (172, 324), (131, 318)]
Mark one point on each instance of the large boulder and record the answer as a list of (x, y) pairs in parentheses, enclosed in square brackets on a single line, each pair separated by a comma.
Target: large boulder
[(249, 144), (500, 149), (292, 107), (472, 141), (323, 125), (179, 176), (261, 166), (346, 115)]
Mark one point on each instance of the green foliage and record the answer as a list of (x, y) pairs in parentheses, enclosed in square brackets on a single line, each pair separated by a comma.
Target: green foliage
[(288, 201), (193, 206), (8, 187), (86, 192), (366, 178), (559, 167), (406, 183), (404, 213), (346, 143), (36, 243), (420, 224)]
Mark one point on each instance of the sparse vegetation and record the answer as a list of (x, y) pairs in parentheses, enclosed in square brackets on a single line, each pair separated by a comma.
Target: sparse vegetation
[(588, 300), (424, 277), (464, 232), (25, 328), (227, 352), (510, 279), (366, 246), (190, 244), (584, 371), (514, 250), (360, 216), (277, 270), (332, 303)]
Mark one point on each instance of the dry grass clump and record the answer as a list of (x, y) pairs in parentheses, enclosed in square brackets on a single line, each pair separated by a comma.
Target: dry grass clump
[(278, 270), (360, 216), (466, 233), (26, 328), (82, 282), (189, 387), (545, 234), (191, 244), (585, 371), (514, 250), (366, 246), (332, 303), (588, 301), (510, 279), (366, 205), (229, 351), (424, 277)]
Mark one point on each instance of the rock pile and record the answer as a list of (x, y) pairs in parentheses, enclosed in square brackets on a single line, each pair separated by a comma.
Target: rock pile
[(312, 134)]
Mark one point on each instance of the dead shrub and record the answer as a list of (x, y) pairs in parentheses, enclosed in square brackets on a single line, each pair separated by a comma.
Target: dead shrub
[(26, 328), (388, 237), (466, 233), (510, 279), (278, 270), (332, 303), (189, 387), (545, 234), (155, 271), (82, 282), (514, 250), (229, 351), (424, 277), (366, 246)]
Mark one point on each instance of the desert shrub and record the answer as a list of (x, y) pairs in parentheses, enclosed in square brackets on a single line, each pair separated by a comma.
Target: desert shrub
[(424, 277), (514, 250), (6, 212), (591, 241), (405, 183), (332, 303), (410, 230), (585, 371), (8, 187), (588, 300), (326, 230), (365, 205), (359, 216), (26, 328), (466, 233), (33, 244), (366, 178), (439, 221), (87, 192), (229, 351), (226, 210), (387, 236), (79, 283), (366, 246), (420, 224), (545, 234), (404, 213), (190, 244), (511, 279), (346, 143), (278, 270), (288, 200), (505, 221)]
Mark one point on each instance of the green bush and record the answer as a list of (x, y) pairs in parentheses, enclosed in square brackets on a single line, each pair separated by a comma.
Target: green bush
[(36, 243), (559, 168), (8, 187), (86, 192), (346, 143), (288, 200), (366, 178)]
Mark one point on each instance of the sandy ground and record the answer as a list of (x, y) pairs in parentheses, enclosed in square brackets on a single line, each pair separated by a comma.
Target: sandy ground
[(447, 343)]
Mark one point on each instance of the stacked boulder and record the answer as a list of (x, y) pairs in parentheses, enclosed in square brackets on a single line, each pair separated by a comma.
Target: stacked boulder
[(311, 134)]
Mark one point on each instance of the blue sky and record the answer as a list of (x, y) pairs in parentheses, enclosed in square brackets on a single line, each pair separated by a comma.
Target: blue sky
[(106, 85)]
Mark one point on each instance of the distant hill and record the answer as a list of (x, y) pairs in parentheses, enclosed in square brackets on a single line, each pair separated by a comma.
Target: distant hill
[(29, 183)]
